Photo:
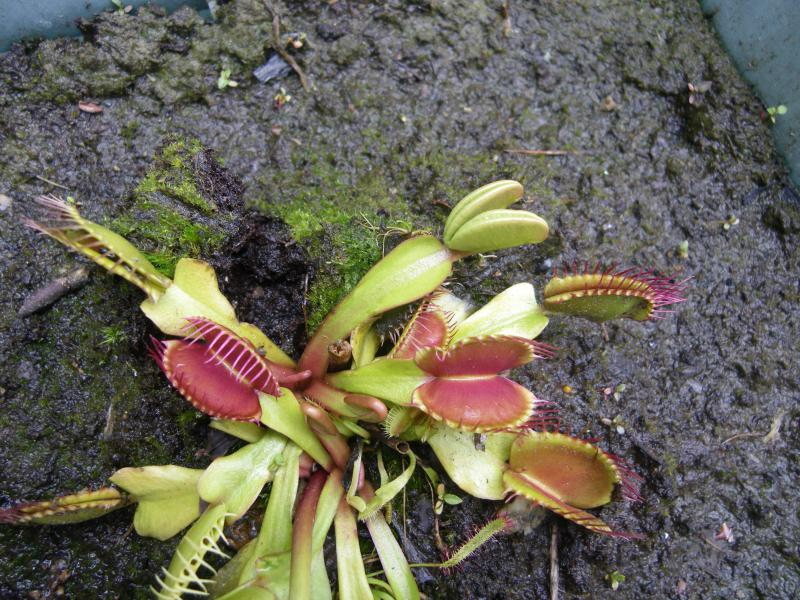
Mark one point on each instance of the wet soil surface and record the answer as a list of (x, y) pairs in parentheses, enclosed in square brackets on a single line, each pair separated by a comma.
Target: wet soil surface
[(426, 99)]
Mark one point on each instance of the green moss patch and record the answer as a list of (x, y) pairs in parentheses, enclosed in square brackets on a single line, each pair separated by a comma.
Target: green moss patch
[(174, 176), (170, 216), (340, 219), (347, 213)]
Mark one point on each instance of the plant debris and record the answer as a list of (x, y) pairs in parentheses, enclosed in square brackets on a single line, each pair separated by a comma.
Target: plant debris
[(696, 91), (274, 68), (51, 182), (280, 49), (768, 437), (60, 286), (608, 104), (90, 107), (554, 575), (541, 152), (725, 533)]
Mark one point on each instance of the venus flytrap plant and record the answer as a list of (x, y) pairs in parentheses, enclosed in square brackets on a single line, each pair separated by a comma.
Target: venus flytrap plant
[(410, 271), (323, 426), (193, 292), (284, 415), (366, 507), (478, 472), (513, 312), (444, 378), (263, 567), (249, 432), (211, 384), (483, 535), (464, 386), (460, 384), (459, 381)]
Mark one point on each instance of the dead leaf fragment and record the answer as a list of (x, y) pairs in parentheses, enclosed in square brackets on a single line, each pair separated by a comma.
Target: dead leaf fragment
[(90, 107), (725, 533), (608, 104)]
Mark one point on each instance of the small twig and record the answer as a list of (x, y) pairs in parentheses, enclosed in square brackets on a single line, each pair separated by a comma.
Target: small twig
[(437, 538), (437, 533), (46, 180), (108, 430), (405, 516), (746, 434), (769, 436), (58, 287), (276, 44), (554, 579), (542, 152), (506, 18), (125, 535), (305, 303), (712, 544)]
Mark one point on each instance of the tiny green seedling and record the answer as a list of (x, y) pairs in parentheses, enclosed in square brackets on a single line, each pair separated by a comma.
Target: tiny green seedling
[(773, 112), (281, 99), (224, 81), (112, 335), (121, 8), (730, 222), (615, 579)]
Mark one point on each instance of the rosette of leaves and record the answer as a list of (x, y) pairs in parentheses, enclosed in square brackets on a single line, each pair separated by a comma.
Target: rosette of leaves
[(445, 378)]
